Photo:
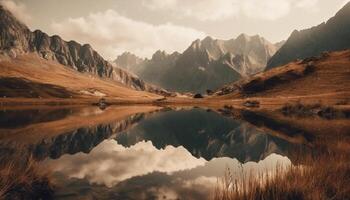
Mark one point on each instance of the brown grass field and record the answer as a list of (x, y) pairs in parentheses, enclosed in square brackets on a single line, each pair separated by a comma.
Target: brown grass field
[(30, 74)]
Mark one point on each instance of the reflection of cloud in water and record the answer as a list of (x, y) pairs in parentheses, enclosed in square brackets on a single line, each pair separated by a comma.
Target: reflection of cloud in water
[(172, 172), (110, 163)]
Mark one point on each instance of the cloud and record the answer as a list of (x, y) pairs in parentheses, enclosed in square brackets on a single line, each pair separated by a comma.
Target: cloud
[(200, 9), (111, 34), (19, 10), (267, 9), (306, 3), (215, 10)]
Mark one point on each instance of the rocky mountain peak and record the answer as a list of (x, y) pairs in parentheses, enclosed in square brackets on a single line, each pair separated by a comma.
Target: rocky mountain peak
[(14, 34), (243, 38), (207, 41), (159, 55), (206, 64), (195, 45)]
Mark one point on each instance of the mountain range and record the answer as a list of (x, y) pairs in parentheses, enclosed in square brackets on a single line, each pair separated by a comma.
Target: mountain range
[(17, 39), (27, 57), (205, 65), (334, 35)]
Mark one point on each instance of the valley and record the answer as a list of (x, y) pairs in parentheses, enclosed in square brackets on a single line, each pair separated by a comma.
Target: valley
[(234, 118)]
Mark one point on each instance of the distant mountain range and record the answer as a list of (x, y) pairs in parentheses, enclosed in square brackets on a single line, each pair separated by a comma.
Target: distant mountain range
[(334, 35), (205, 64), (17, 39)]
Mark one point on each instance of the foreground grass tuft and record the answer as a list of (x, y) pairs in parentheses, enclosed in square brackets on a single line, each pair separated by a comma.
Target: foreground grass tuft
[(327, 177), (24, 181)]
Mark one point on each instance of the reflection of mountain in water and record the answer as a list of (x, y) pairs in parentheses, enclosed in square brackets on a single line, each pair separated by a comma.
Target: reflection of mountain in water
[(206, 134), (22, 118), (83, 139), (203, 133)]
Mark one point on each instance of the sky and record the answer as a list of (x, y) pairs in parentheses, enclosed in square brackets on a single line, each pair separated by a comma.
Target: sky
[(145, 26)]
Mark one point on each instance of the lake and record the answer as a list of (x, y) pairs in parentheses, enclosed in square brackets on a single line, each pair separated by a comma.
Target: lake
[(142, 152)]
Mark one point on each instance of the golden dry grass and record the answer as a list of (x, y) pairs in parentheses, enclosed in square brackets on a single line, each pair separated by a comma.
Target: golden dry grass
[(32, 68), (322, 178), (25, 179), (323, 175)]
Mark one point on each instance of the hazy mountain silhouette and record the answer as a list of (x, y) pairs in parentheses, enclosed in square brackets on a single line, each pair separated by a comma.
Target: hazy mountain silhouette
[(205, 64)]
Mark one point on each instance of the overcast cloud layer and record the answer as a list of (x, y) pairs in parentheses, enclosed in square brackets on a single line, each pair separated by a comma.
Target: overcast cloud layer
[(145, 26), (111, 34)]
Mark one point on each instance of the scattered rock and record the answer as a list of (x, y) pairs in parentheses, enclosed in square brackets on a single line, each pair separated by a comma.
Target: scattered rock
[(161, 99), (102, 104), (252, 104)]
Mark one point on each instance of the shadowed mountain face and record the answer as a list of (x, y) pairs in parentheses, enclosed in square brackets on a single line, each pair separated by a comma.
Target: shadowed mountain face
[(16, 38), (206, 64), (331, 36)]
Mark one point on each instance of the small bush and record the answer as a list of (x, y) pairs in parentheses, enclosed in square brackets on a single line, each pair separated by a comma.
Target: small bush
[(301, 110), (210, 92), (198, 96)]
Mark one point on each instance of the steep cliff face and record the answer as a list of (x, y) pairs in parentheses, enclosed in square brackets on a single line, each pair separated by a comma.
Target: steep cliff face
[(16, 39), (331, 36), (205, 64), (14, 34)]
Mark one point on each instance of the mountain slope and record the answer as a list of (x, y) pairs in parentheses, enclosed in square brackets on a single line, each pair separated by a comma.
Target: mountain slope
[(331, 36), (30, 76), (328, 75), (17, 39), (206, 64)]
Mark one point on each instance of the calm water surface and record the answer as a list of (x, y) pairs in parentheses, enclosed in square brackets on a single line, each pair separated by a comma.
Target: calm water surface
[(140, 153)]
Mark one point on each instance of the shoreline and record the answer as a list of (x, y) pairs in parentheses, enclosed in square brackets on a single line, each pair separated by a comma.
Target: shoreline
[(268, 103)]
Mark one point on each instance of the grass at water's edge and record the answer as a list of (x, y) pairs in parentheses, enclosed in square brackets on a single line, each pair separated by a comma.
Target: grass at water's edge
[(25, 180), (323, 177)]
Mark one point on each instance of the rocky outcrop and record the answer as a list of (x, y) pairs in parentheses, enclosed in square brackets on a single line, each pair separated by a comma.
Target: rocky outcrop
[(206, 64), (331, 36), (16, 38)]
